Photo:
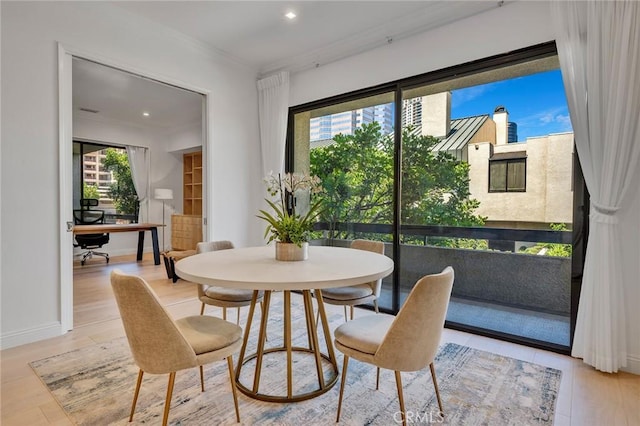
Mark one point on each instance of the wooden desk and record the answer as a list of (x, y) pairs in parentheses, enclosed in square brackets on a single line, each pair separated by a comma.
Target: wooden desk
[(126, 227), (256, 268)]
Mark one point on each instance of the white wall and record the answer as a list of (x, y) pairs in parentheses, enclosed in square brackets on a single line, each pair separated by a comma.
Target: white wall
[(185, 138), (30, 302), (500, 30), (513, 26)]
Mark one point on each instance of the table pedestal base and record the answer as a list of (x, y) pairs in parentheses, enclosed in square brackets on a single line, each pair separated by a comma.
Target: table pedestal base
[(314, 350)]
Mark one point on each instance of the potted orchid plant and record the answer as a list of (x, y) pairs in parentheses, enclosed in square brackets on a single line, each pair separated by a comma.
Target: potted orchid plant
[(288, 228)]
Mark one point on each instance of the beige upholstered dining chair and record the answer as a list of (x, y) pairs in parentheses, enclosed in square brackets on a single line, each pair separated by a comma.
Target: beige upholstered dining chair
[(356, 294), (222, 297), (161, 345), (407, 342)]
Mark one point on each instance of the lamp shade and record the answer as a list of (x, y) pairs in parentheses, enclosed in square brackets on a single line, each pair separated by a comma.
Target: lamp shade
[(163, 194)]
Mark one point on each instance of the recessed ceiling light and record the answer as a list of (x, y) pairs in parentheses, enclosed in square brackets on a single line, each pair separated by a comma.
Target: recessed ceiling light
[(146, 114), (290, 15)]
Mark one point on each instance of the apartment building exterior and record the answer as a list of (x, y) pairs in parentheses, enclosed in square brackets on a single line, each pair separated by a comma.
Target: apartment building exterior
[(326, 127), (95, 174), (524, 184)]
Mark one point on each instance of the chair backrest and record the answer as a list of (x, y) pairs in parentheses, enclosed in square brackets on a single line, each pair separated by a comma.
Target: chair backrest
[(156, 343), (411, 343), (85, 203), (376, 247), (88, 217), (206, 246)]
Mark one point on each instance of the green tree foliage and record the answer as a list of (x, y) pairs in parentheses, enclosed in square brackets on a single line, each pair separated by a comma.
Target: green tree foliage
[(552, 249), (435, 185), (122, 192), (357, 175), (90, 191)]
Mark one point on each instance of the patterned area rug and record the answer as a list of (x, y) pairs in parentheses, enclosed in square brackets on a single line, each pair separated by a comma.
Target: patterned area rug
[(94, 385)]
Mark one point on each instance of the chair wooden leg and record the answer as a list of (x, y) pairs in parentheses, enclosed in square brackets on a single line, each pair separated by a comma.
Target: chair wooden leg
[(167, 402), (174, 276), (375, 306), (233, 387), (377, 378), (401, 398), (352, 312), (435, 385), (167, 266), (202, 309), (202, 378), (224, 314), (238, 317), (344, 378), (135, 395), (345, 313)]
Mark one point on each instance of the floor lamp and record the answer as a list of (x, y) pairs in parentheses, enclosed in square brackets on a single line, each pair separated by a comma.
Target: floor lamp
[(163, 194)]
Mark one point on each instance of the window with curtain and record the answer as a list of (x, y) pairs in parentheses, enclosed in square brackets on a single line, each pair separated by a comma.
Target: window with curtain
[(102, 171)]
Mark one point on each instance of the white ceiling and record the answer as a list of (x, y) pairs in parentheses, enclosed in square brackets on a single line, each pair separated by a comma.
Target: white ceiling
[(122, 98), (257, 34)]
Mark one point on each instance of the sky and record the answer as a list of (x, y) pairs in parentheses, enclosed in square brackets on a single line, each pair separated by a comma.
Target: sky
[(536, 102)]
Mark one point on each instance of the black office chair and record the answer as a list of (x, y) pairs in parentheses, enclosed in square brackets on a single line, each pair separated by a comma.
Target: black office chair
[(87, 216)]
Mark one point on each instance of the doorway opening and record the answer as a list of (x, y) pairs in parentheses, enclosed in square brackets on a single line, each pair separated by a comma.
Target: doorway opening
[(109, 106)]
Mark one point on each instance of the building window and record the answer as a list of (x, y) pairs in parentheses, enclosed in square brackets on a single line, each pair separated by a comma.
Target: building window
[(507, 175)]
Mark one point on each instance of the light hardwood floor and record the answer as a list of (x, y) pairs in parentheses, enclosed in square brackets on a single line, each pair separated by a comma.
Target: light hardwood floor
[(587, 397)]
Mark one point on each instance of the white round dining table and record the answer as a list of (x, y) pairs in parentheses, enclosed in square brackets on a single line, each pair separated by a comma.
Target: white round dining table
[(257, 269)]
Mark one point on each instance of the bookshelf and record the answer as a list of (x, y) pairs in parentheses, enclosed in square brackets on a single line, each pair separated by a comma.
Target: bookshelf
[(192, 181)]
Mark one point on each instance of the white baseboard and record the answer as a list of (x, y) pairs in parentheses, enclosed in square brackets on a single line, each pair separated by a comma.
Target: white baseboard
[(633, 364), (30, 335)]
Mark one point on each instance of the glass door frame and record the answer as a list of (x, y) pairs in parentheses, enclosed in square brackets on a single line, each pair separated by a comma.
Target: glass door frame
[(581, 197)]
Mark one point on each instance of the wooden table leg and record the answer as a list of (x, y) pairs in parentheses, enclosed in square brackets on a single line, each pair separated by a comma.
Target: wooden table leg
[(325, 327), (247, 332), (262, 334), (314, 349), (308, 307)]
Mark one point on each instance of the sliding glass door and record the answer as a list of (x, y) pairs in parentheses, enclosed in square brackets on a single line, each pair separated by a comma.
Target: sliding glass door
[(487, 188), (470, 167)]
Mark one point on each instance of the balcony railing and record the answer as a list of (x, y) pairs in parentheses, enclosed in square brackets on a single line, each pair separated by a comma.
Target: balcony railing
[(525, 282), (477, 232), (542, 283)]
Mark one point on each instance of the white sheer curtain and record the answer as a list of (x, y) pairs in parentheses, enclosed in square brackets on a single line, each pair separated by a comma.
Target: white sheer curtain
[(139, 163), (599, 49), (273, 105)]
